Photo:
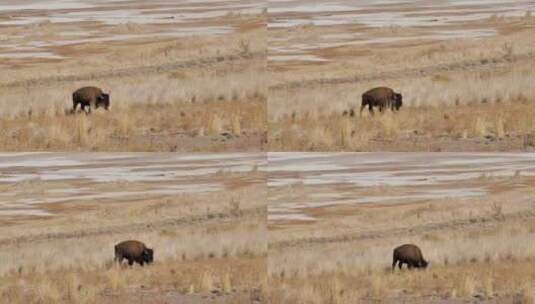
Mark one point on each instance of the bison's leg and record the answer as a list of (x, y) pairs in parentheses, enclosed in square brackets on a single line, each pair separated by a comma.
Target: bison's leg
[(74, 106), (400, 265), (370, 108), (140, 261), (130, 261), (394, 264)]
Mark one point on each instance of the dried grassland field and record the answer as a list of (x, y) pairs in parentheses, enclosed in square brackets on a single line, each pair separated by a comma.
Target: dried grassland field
[(182, 77), (465, 71), (334, 220), (62, 214)]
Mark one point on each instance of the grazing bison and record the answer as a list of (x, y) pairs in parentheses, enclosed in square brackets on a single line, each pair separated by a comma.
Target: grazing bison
[(382, 98), (133, 251), (90, 97), (408, 254)]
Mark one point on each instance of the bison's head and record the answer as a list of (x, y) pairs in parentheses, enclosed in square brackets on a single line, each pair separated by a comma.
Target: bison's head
[(398, 101), (103, 101), (423, 263), (148, 255)]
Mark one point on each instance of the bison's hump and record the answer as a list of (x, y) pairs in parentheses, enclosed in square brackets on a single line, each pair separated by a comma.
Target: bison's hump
[(89, 90), (408, 250), (380, 92), (131, 246), (87, 93)]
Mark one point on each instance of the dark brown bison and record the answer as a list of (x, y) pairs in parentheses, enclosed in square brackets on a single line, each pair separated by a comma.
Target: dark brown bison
[(383, 98), (90, 97), (133, 251), (408, 254)]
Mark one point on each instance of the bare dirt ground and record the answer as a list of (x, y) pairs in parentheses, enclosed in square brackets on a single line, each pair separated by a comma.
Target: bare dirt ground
[(464, 69), (334, 219), (61, 215), (182, 76)]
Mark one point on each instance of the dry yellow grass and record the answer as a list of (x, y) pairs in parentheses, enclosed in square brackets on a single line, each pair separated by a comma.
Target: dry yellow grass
[(187, 127), (480, 127), (499, 282), (160, 280)]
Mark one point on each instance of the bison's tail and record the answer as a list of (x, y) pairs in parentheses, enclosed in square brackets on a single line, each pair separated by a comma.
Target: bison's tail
[(364, 100)]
